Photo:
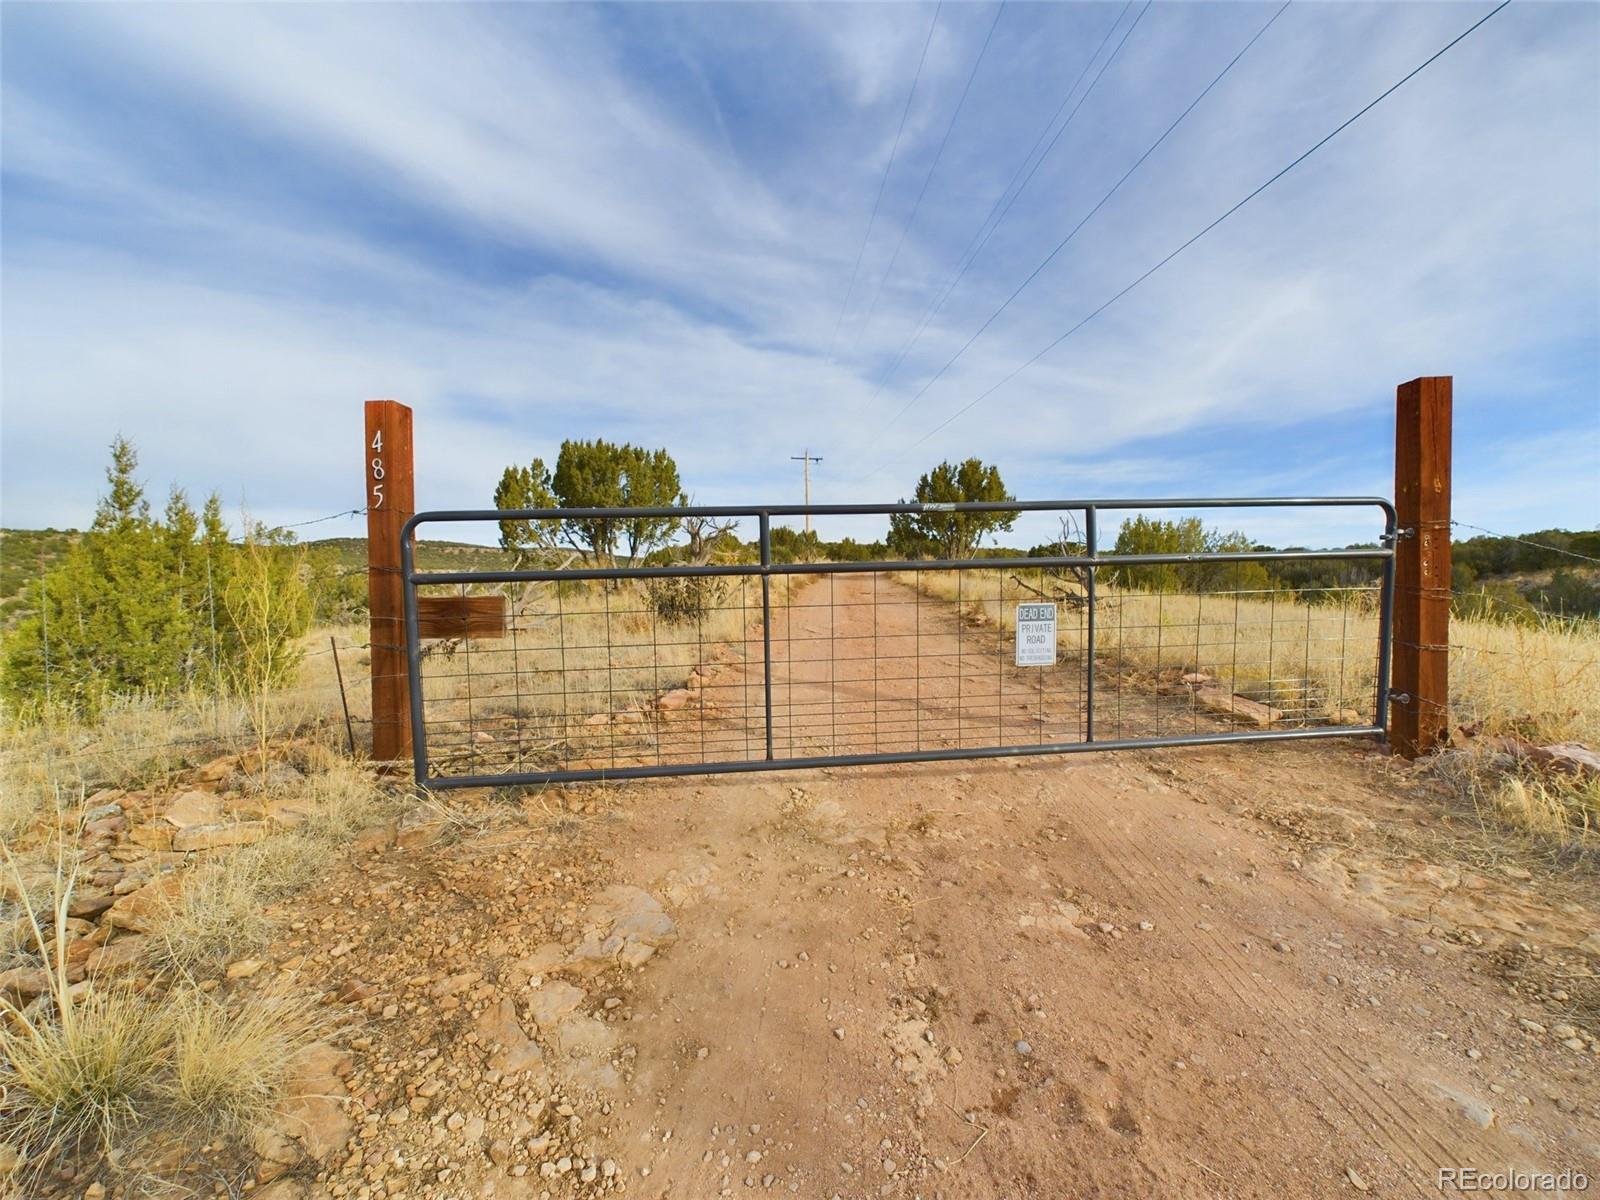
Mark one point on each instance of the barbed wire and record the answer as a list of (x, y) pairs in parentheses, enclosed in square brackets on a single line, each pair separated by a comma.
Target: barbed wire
[(1479, 594), (349, 512), (1511, 537), (1463, 648)]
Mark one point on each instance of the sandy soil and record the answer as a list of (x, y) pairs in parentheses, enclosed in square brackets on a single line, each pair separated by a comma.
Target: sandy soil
[(1242, 971)]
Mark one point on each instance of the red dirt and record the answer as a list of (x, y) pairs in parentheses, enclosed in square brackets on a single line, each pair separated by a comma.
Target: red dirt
[(1242, 971)]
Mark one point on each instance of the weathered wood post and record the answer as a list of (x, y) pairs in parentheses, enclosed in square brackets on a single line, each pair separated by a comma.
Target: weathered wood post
[(1421, 721), (391, 501)]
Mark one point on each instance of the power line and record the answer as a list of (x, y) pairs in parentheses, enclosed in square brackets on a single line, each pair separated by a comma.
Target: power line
[(1084, 220), (928, 178), (888, 167), (1323, 141), (980, 238)]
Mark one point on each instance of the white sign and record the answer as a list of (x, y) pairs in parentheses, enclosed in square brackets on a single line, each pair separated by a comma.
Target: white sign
[(1036, 635)]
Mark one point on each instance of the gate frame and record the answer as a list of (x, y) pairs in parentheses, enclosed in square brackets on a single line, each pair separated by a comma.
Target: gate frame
[(765, 568)]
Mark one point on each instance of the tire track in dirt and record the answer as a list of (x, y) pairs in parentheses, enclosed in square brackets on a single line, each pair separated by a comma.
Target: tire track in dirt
[(1109, 855), (1225, 963), (1373, 1124), (1380, 1117)]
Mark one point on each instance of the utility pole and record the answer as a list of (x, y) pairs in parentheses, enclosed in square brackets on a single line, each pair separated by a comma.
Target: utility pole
[(806, 458)]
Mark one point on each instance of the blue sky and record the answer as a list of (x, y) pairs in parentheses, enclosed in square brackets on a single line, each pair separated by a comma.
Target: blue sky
[(224, 227)]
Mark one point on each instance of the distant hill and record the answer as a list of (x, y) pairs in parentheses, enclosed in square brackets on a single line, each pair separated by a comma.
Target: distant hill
[(24, 555), (436, 556)]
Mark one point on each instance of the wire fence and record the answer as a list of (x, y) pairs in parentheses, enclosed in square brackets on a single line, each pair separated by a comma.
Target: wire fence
[(1522, 541), (895, 662)]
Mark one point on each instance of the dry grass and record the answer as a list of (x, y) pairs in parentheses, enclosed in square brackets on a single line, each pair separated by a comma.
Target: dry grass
[(578, 649), (137, 743), (1547, 807), (75, 1067), (84, 1075), (228, 1059), (223, 912), (1551, 811), (219, 916), (1541, 681), (341, 801), (106, 1067), (96, 1066)]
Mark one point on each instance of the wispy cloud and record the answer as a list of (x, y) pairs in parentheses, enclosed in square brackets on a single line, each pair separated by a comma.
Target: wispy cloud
[(224, 228)]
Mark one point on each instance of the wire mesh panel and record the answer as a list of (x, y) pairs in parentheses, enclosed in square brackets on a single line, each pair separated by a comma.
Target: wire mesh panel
[(1174, 663), (901, 662), (598, 674), (737, 662)]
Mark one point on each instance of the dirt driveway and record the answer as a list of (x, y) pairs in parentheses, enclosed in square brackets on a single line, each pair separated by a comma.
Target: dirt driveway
[(1209, 972), (864, 663)]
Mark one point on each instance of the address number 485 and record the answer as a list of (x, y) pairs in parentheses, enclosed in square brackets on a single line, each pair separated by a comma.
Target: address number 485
[(377, 470)]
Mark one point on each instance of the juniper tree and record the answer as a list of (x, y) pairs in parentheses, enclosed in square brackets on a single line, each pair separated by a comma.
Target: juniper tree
[(137, 607), (594, 475), (526, 487), (951, 534)]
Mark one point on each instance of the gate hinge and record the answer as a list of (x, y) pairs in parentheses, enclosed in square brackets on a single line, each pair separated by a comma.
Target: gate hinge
[(1390, 539), (1399, 698)]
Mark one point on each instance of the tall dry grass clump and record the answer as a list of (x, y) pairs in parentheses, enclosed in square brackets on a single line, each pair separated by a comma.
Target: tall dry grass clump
[(1548, 807), (96, 1065), (1551, 810), (219, 915), (77, 1067), (228, 1059), (83, 1074)]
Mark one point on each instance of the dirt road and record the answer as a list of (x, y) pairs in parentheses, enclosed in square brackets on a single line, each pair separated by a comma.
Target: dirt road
[(1120, 991), (864, 663), (1209, 972)]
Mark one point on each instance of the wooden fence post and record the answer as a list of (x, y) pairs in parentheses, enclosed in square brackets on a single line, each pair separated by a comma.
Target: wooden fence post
[(391, 501), (1421, 721)]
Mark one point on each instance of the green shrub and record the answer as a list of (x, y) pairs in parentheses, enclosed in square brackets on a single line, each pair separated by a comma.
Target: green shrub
[(154, 607), (683, 599)]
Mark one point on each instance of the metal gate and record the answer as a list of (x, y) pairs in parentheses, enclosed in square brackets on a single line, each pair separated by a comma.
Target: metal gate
[(712, 655)]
